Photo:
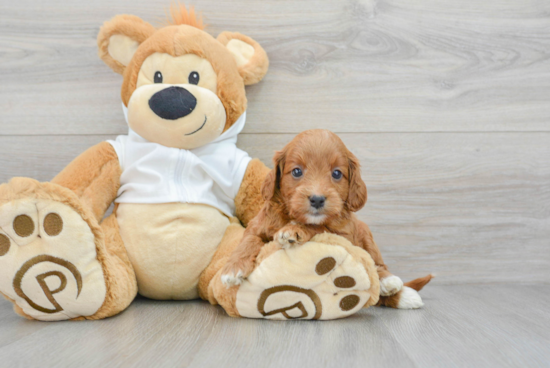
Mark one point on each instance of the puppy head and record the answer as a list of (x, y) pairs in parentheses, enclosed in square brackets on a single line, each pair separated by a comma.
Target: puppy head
[(317, 178)]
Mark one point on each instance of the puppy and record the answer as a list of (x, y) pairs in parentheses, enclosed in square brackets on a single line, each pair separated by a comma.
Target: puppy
[(315, 187)]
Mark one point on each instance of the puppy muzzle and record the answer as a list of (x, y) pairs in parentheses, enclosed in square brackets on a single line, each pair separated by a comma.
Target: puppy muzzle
[(317, 202)]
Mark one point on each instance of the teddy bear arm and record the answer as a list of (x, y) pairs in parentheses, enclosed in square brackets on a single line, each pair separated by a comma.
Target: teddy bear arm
[(94, 177), (249, 200)]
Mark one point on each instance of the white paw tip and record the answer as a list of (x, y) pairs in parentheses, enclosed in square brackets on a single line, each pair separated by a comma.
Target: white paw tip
[(230, 279), (285, 239), (409, 299), (390, 285)]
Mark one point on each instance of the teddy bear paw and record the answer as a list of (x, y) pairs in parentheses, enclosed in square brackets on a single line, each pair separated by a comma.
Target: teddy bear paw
[(48, 260), (318, 280)]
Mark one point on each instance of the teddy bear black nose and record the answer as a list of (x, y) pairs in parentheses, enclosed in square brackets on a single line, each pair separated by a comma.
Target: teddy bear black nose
[(317, 201), (172, 103)]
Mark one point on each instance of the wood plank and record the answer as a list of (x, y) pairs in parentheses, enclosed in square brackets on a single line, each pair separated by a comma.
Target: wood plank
[(14, 328), (512, 302), (478, 322), (41, 157), (460, 326), (348, 65), (470, 207), (161, 333)]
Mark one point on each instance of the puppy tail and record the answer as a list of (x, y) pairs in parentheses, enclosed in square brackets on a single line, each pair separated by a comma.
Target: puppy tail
[(393, 300), (419, 283)]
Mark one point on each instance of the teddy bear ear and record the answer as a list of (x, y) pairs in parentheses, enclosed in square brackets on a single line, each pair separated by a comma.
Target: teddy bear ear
[(251, 58), (119, 38)]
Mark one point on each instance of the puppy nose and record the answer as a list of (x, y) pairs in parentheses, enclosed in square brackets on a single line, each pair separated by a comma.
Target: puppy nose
[(317, 201), (172, 103)]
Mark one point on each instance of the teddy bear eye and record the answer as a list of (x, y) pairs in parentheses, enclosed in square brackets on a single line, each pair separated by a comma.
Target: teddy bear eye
[(296, 172), (337, 174), (194, 78), (158, 77)]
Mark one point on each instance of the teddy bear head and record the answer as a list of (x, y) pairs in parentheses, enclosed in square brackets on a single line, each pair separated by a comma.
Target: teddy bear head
[(183, 88)]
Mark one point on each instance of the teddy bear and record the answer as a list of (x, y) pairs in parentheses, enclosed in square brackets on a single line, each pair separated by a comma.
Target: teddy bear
[(182, 192)]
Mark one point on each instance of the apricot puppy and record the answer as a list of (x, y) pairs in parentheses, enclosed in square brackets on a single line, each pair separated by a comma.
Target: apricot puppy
[(315, 187)]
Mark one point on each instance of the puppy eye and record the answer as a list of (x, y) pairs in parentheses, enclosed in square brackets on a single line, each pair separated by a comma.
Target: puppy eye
[(158, 77), (194, 78), (297, 172), (337, 174)]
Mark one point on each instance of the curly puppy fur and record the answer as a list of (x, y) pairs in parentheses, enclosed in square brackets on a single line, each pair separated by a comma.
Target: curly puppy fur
[(315, 187)]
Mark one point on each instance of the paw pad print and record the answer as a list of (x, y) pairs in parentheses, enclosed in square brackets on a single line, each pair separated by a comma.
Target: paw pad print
[(348, 302), (53, 224), (23, 226), (4, 245)]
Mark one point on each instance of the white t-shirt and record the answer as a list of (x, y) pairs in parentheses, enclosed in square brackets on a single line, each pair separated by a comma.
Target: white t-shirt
[(211, 174)]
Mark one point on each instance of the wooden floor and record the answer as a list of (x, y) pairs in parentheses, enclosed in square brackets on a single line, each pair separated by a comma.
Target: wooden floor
[(445, 102), (461, 326)]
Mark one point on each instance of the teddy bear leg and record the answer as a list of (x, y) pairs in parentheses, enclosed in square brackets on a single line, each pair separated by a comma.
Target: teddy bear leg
[(56, 262), (326, 278), (119, 274), (210, 287)]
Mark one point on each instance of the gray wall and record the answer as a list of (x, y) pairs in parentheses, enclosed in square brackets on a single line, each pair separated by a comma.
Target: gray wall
[(445, 102)]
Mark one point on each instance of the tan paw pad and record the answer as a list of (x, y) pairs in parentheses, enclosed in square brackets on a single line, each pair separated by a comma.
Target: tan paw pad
[(4, 245)]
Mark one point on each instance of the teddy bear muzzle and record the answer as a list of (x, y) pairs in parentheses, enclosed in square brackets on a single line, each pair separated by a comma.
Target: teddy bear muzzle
[(180, 116)]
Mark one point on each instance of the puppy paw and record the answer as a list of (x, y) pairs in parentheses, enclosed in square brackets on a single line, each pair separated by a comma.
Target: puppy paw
[(232, 278), (291, 235), (235, 272), (390, 285), (286, 238), (409, 299)]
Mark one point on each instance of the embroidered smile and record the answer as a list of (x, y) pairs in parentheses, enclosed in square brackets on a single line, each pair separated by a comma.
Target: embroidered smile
[(202, 126)]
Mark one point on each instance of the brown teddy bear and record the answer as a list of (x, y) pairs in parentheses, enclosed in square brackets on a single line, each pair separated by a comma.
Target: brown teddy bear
[(182, 192)]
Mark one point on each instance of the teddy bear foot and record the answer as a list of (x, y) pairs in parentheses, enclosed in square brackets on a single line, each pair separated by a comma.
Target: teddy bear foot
[(48, 261), (326, 278)]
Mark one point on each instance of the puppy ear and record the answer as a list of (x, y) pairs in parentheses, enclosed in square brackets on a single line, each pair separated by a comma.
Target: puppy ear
[(271, 184), (251, 58), (119, 38), (357, 196)]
